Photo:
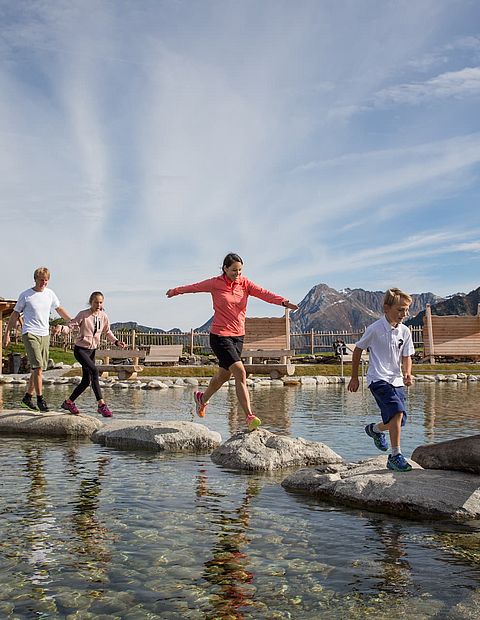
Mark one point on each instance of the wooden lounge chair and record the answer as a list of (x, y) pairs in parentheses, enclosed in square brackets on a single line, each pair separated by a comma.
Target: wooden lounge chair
[(268, 340), (451, 336), (164, 354)]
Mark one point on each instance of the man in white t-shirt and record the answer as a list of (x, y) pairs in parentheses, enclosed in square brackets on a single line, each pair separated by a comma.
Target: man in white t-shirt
[(389, 369), (35, 304)]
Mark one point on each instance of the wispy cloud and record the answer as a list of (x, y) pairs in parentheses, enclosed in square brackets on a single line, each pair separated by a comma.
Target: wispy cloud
[(462, 83), (143, 141)]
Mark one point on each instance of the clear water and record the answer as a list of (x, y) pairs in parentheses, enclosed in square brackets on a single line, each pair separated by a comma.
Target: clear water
[(90, 532)]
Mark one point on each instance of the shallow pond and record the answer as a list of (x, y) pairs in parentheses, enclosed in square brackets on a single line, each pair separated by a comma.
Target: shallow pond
[(90, 532)]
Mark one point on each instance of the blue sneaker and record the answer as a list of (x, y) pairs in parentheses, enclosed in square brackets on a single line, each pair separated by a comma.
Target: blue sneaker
[(379, 438), (398, 463)]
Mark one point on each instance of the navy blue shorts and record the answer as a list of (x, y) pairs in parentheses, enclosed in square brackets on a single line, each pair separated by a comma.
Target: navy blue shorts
[(390, 399), (228, 349)]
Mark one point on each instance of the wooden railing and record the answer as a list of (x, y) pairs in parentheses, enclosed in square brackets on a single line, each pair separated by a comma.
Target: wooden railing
[(198, 342)]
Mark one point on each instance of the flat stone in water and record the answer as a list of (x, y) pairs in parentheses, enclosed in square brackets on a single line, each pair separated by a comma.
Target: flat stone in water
[(51, 424), (164, 436), (416, 494)]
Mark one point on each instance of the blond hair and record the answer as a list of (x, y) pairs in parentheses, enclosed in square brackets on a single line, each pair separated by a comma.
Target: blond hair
[(41, 272), (394, 295)]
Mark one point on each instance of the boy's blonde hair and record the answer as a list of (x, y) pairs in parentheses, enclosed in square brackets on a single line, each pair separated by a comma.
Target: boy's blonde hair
[(41, 272), (394, 295)]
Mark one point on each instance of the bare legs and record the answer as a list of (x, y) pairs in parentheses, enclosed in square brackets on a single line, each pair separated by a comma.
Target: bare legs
[(237, 370), (394, 427), (35, 383)]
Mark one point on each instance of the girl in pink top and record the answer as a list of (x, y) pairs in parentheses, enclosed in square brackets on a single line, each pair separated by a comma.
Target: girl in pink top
[(230, 292), (92, 324)]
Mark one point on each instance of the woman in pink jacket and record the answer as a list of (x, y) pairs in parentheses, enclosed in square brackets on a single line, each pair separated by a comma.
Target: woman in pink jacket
[(230, 292), (92, 324)]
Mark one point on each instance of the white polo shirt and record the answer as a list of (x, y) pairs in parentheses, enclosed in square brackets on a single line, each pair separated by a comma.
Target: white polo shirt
[(386, 345), (36, 307)]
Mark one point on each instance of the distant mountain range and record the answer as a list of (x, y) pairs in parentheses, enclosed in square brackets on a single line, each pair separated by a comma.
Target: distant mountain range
[(460, 303), (325, 309)]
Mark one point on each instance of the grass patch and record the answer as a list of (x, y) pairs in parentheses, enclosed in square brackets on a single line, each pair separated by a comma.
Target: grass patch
[(304, 370)]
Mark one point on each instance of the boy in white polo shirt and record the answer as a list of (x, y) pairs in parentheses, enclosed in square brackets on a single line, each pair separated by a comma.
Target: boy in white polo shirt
[(390, 369), (35, 304)]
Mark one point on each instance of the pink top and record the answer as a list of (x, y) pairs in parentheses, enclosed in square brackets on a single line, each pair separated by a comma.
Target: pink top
[(229, 301), (91, 327)]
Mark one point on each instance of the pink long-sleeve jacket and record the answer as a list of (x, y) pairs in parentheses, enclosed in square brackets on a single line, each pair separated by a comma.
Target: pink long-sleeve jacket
[(229, 301), (91, 327)]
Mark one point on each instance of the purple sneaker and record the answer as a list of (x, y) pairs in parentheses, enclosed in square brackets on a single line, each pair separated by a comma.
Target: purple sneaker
[(70, 406), (105, 411)]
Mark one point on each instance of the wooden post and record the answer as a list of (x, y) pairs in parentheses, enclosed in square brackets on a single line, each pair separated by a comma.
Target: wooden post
[(191, 341), (312, 342), (134, 337), (428, 316), (1, 342)]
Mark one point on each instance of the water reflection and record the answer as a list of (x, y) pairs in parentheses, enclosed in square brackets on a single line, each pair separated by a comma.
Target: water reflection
[(448, 408), (395, 575), (39, 520), (228, 568), (274, 405), (92, 536)]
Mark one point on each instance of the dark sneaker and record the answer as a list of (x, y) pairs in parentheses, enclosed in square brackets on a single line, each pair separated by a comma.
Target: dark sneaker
[(27, 403), (398, 463), (252, 422), (70, 406), (41, 404), (199, 404), (379, 438), (105, 411)]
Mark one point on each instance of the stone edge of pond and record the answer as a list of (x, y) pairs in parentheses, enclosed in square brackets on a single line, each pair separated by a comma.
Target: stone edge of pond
[(56, 377)]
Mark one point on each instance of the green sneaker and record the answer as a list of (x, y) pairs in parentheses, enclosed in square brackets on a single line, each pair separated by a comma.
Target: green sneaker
[(27, 403), (252, 422)]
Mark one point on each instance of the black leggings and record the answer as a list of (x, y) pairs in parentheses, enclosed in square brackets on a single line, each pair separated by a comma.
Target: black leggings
[(86, 357)]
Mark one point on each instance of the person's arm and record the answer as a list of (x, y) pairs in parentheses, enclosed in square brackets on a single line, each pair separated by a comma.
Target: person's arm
[(407, 370), (354, 383), (272, 298), (12, 323), (63, 313), (206, 286), (110, 336)]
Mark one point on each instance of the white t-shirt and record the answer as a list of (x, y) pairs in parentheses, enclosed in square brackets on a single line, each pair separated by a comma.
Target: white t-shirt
[(36, 307), (386, 345)]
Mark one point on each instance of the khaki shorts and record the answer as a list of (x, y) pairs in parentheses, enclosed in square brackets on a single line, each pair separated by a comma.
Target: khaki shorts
[(37, 348)]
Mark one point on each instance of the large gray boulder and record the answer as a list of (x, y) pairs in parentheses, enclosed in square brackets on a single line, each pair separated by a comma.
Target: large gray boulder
[(51, 424), (457, 454), (164, 436), (416, 494), (261, 450)]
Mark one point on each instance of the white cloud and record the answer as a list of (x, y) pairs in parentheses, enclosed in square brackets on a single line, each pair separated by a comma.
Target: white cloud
[(462, 83)]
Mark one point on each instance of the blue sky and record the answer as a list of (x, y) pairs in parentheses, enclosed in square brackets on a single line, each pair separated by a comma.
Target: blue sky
[(334, 142)]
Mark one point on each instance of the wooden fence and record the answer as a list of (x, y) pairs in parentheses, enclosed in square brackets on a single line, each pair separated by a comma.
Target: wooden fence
[(311, 342)]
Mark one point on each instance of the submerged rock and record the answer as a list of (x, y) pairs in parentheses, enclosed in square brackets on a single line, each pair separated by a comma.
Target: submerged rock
[(458, 454), (416, 494), (165, 436), (51, 424), (265, 451)]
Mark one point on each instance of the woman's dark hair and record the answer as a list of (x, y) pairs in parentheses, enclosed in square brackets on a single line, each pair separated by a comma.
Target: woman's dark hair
[(230, 259), (93, 295)]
